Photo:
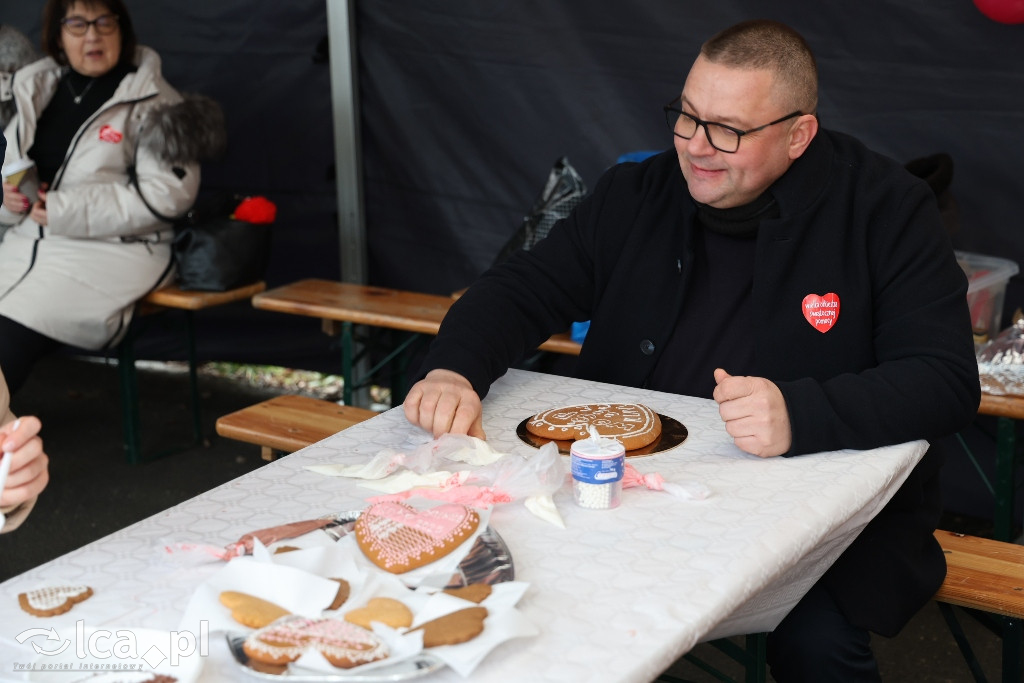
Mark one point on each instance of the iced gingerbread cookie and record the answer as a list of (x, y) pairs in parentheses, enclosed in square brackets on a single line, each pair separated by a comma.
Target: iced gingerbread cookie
[(343, 644), (51, 601), (633, 424), (397, 537)]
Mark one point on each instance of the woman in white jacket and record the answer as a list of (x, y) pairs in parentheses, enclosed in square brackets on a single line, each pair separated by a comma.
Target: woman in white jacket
[(80, 254)]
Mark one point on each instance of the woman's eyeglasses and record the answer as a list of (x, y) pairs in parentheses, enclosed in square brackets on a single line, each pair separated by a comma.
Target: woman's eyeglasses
[(79, 26)]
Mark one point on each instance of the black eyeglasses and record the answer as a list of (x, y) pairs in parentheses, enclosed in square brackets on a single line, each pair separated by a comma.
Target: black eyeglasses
[(78, 26), (722, 137)]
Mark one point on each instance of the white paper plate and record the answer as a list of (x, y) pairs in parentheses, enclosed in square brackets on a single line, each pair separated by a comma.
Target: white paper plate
[(107, 648)]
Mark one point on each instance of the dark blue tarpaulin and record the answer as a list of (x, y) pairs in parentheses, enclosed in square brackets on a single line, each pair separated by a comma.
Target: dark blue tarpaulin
[(465, 106)]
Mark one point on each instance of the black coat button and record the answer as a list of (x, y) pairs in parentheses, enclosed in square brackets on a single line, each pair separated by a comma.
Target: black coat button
[(647, 347)]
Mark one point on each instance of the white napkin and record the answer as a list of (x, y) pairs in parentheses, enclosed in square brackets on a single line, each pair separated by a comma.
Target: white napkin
[(501, 624), (293, 589), (407, 480), (378, 467)]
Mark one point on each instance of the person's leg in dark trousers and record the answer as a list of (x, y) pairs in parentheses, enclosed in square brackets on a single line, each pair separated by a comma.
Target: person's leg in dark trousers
[(20, 348), (816, 643)]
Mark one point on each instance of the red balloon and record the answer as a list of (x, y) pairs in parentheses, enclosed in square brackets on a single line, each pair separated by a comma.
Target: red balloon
[(1003, 11)]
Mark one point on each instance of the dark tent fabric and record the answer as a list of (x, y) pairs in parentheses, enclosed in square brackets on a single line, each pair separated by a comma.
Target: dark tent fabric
[(465, 106)]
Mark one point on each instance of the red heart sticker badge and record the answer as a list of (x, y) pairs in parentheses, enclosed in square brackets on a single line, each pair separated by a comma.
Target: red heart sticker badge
[(110, 134), (821, 312)]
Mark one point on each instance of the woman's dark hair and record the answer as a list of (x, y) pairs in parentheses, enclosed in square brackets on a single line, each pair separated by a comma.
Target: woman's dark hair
[(56, 10)]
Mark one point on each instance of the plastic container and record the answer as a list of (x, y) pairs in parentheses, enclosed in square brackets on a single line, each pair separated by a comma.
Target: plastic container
[(598, 464), (986, 288)]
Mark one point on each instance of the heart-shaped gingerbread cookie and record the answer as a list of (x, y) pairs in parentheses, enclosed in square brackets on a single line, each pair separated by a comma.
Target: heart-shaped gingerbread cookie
[(343, 644), (397, 537), (49, 602)]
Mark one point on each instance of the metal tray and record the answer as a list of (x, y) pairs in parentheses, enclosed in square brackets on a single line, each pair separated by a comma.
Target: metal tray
[(421, 665), (488, 561)]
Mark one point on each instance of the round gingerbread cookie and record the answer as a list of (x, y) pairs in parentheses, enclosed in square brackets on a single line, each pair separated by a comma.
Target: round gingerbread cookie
[(633, 424)]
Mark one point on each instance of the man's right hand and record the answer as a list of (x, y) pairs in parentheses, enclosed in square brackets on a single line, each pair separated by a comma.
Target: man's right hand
[(445, 402)]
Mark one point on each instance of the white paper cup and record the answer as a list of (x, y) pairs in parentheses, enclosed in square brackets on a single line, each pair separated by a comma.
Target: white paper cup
[(23, 175)]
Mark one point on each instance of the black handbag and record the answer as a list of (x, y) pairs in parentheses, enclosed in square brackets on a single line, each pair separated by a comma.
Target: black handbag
[(215, 252)]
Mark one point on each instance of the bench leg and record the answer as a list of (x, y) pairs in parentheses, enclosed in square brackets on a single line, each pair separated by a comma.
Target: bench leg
[(346, 362), (961, 641), (752, 656), (1013, 633), (130, 413), (193, 378), (1005, 451)]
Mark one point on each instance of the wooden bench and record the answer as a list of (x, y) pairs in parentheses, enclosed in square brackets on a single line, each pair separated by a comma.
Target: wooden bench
[(163, 300), (284, 424), (985, 575), (342, 305)]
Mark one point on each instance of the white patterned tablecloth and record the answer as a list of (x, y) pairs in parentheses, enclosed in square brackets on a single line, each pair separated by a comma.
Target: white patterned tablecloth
[(618, 595)]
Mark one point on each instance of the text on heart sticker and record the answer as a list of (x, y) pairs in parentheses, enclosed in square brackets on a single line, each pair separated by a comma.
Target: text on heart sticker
[(821, 311)]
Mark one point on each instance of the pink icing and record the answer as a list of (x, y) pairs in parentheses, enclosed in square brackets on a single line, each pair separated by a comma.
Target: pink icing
[(397, 533), (339, 639)]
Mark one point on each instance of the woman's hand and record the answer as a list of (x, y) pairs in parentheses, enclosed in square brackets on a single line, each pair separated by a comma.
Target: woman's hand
[(38, 213), (29, 471), (15, 201)]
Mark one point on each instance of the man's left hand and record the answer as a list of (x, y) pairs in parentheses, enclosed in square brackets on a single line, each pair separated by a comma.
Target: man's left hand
[(755, 414)]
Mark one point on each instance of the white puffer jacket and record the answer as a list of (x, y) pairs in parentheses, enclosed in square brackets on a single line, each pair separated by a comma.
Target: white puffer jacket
[(77, 278)]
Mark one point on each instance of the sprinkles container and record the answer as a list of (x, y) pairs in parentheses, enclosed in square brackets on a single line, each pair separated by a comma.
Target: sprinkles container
[(597, 467)]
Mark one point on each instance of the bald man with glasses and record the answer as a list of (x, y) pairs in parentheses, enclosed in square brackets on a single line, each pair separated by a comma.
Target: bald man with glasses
[(799, 279)]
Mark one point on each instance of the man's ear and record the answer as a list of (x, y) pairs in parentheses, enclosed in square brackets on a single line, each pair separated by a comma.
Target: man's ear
[(801, 134)]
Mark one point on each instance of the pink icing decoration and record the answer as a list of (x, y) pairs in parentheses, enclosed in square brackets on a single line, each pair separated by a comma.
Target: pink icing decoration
[(338, 639), (397, 533), (475, 496)]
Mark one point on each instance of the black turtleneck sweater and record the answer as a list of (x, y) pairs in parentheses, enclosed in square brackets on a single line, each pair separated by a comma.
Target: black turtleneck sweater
[(715, 328), (63, 116)]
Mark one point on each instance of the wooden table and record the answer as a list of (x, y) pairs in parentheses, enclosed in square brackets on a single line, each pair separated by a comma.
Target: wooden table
[(617, 595), (342, 305)]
